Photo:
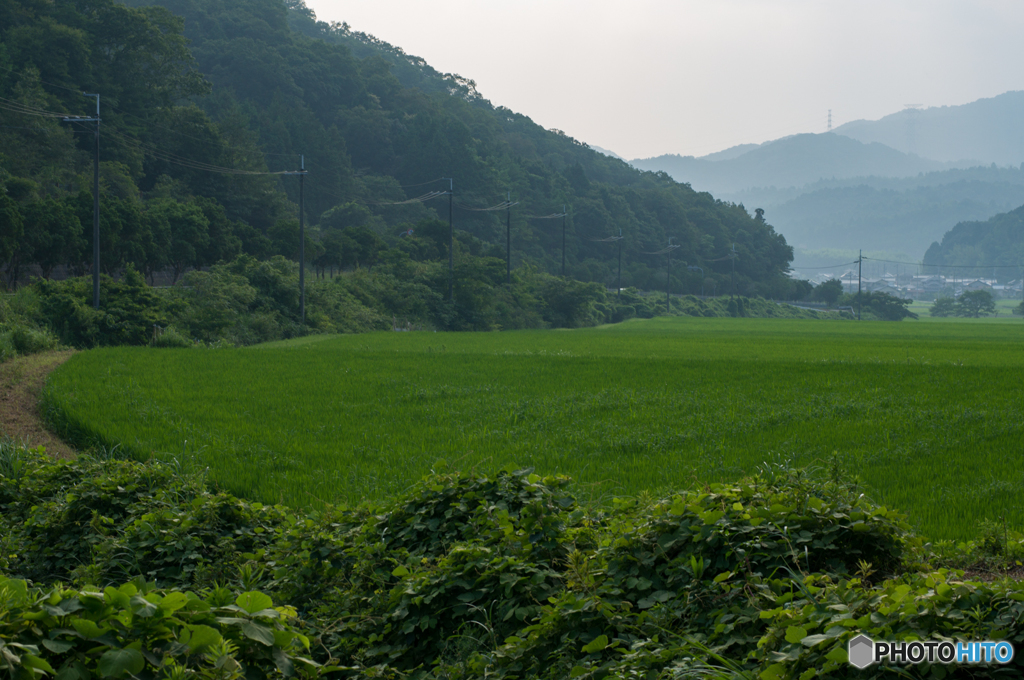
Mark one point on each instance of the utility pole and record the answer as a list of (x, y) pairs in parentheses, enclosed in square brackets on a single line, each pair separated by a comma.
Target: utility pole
[(618, 279), (563, 241), (95, 198), (732, 256), (451, 241), (830, 120), (301, 172), (860, 261), (668, 282), (508, 240), (302, 239)]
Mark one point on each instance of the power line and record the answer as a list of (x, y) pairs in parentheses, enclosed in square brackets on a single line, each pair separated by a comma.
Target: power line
[(170, 157), (421, 184), (824, 266), (660, 252), (40, 80), (949, 266), (501, 206), (418, 199), (24, 109)]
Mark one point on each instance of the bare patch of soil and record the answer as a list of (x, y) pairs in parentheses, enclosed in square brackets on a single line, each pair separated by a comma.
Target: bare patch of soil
[(21, 383)]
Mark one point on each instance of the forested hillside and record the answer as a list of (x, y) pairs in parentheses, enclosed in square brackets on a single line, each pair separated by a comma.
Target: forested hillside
[(203, 101), (994, 247)]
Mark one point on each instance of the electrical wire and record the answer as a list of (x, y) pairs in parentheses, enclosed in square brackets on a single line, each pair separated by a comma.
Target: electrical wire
[(418, 199), (546, 217), (660, 252), (62, 87), (949, 266), (25, 109), (829, 266), (423, 184), (610, 239), (169, 157), (504, 205)]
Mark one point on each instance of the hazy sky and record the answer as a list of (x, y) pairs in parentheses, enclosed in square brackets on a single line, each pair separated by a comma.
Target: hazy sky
[(646, 77)]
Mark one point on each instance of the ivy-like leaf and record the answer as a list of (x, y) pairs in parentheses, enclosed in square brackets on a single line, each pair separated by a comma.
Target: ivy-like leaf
[(596, 645), (117, 662), (255, 631), (254, 601)]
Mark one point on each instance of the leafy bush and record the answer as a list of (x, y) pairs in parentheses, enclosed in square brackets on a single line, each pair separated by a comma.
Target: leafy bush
[(136, 630), (170, 337), (30, 340), (500, 576), (943, 307), (128, 310), (880, 306)]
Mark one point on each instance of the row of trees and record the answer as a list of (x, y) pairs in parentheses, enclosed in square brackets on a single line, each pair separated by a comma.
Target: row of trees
[(972, 303)]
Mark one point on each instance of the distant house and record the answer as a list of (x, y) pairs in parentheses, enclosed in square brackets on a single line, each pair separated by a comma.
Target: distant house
[(977, 284), (881, 286)]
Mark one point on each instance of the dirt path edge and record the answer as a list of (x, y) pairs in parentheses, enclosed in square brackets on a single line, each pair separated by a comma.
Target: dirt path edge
[(21, 384)]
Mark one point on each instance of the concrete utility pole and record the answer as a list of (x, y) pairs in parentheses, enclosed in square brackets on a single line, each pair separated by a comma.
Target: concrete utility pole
[(302, 239), (508, 240), (618, 279), (451, 241), (95, 198), (860, 260), (302, 236), (563, 241)]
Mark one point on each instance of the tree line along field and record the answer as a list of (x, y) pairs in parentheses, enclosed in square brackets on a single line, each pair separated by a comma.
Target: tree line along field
[(928, 415)]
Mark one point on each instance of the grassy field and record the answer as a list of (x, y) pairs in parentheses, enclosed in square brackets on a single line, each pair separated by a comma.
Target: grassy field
[(928, 414)]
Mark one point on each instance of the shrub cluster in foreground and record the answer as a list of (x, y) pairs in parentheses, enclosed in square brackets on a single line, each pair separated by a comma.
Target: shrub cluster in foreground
[(466, 576)]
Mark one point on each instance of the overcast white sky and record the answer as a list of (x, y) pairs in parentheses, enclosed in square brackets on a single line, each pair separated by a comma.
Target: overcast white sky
[(647, 77)]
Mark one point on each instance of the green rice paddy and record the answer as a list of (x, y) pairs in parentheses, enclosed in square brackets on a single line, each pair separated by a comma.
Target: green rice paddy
[(929, 415)]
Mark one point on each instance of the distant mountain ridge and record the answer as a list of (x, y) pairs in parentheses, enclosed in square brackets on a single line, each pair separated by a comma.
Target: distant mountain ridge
[(981, 132), (897, 184), (789, 162)]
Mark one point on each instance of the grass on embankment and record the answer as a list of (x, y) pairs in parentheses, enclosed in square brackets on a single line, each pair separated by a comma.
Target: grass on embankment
[(929, 414)]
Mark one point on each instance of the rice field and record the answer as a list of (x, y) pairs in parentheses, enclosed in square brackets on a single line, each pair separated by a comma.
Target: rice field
[(929, 415)]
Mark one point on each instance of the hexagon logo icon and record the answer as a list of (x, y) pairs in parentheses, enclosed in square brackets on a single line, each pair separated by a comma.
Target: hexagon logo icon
[(861, 651)]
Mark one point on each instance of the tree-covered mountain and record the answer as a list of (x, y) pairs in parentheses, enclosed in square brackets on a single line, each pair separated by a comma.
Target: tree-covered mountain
[(192, 88), (992, 248), (982, 132), (788, 162), (900, 219), (870, 185)]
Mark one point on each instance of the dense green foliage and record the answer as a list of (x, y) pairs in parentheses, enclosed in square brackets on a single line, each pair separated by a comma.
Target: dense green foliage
[(464, 576), (18, 333), (247, 301), (980, 246), (250, 86), (878, 305), (646, 404), (973, 303)]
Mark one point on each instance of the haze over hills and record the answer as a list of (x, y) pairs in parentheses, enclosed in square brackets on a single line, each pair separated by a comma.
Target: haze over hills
[(790, 161), (984, 131), (896, 184)]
